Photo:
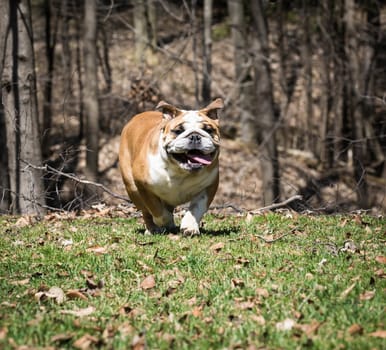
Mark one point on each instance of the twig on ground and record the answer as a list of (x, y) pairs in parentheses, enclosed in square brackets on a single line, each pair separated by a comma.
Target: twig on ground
[(225, 206), (275, 239), (48, 168), (277, 205)]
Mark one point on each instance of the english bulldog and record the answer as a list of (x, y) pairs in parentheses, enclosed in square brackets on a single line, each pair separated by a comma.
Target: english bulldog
[(170, 157)]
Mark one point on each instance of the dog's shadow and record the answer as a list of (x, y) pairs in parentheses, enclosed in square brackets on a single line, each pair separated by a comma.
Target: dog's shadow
[(223, 231)]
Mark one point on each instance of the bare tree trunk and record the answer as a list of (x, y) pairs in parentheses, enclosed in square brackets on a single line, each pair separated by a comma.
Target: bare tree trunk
[(21, 112), (78, 60), (152, 22), (239, 37), (66, 56), (339, 117), (353, 86), (91, 89), (141, 34), (307, 62), (4, 175), (207, 53), (264, 108), (372, 36), (105, 61), (193, 32), (326, 86), (331, 147), (50, 37), (243, 66), (145, 31)]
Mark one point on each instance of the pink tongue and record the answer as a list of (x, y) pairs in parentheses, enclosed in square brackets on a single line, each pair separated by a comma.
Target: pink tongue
[(200, 158)]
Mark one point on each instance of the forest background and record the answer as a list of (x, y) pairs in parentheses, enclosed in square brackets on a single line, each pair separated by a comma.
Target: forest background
[(303, 84)]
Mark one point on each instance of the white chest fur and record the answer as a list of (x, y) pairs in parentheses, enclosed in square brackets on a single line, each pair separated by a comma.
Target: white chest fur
[(175, 186)]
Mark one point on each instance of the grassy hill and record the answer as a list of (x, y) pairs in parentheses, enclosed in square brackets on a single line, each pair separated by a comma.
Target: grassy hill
[(269, 281)]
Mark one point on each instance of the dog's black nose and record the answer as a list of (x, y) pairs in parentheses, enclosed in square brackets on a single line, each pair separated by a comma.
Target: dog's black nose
[(195, 138)]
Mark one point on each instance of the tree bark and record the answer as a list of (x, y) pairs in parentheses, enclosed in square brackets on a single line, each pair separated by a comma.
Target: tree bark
[(243, 70), (66, 57), (50, 38), (91, 89), (152, 22), (145, 31), (307, 63), (4, 175), (264, 108), (78, 62), (239, 36), (21, 112), (207, 53), (354, 88)]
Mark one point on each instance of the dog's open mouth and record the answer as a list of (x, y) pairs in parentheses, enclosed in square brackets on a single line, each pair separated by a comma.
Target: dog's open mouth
[(194, 159)]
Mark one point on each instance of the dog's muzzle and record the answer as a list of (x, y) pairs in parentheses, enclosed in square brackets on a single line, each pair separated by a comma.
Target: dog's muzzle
[(193, 151)]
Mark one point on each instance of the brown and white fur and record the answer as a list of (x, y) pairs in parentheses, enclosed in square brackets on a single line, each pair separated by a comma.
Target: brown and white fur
[(169, 158)]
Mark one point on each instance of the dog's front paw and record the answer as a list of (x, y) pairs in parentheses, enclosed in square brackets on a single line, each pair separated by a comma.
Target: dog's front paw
[(189, 225), (190, 231)]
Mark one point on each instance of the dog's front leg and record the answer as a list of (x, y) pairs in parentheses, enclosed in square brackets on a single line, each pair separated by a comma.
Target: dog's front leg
[(190, 223)]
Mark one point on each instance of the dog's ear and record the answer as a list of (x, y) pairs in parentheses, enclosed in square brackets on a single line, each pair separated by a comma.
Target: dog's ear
[(169, 111), (211, 109)]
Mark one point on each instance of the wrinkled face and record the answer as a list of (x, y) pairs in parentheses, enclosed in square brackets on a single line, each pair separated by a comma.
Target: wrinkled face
[(191, 140)]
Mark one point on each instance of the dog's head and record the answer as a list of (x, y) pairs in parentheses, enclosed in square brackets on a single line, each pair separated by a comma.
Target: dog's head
[(191, 139)]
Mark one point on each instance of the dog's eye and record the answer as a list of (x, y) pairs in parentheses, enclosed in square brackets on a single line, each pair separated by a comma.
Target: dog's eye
[(208, 129), (179, 130)]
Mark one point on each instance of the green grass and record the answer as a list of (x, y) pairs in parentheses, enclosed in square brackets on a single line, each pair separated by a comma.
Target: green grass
[(231, 297)]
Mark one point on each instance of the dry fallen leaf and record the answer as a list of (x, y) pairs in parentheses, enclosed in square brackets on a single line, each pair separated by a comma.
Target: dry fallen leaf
[(57, 294), (259, 319), (126, 329), (138, 342), (197, 311), (109, 332), (347, 291), (355, 329), (217, 247), (54, 293), (144, 266), (20, 282), (148, 283), (80, 312), (174, 237), (62, 338), (66, 243), (85, 342), (75, 294), (98, 250), (242, 261), (3, 333), (368, 295), (380, 273), (24, 221), (8, 304), (310, 328), (237, 282), (246, 305), (381, 259), (249, 218), (91, 284), (285, 325), (262, 292), (378, 334)]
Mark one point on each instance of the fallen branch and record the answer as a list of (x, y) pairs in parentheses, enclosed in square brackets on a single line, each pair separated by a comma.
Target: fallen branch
[(226, 206), (50, 169), (275, 239), (277, 205)]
